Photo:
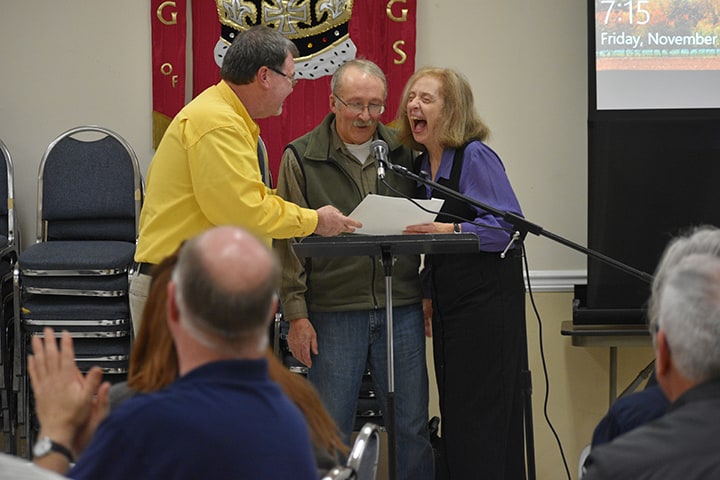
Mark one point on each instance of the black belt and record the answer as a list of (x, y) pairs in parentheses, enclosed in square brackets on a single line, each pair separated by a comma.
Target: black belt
[(145, 268)]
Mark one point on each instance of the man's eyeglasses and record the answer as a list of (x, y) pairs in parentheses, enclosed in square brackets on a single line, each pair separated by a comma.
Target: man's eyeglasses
[(358, 108), (293, 81)]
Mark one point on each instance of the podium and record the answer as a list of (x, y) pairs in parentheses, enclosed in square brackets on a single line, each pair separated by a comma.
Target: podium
[(371, 245), (386, 247)]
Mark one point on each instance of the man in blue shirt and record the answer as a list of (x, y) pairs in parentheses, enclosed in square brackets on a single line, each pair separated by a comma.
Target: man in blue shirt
[(222, 418)]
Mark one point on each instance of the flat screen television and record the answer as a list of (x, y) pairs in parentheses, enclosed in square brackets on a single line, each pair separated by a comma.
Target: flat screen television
[(655, 54), (653, 141)]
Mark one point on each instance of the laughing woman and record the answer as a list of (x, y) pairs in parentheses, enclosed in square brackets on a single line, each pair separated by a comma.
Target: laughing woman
[(478, 309)]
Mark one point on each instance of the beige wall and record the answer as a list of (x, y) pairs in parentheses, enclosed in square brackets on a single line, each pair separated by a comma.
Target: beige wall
[(579, 384), (527, 63), (68, 63)]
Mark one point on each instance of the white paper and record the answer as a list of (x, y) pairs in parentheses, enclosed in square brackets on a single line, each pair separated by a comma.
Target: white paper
[(381, 215)]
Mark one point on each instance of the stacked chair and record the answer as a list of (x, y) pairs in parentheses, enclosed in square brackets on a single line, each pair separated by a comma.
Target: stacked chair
[(8, 256), (368, 406), (75, 276)]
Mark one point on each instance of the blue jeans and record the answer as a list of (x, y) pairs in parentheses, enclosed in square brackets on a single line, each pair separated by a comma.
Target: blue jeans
[(347, 342)]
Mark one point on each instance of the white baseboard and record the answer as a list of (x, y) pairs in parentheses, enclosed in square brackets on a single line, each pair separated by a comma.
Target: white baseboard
[(556, 280)]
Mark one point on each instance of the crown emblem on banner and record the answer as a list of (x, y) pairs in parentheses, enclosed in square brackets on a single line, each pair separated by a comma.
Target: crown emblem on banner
[(318, 28)]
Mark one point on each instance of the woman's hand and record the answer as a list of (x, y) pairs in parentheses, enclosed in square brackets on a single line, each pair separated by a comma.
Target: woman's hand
[(435, 227)]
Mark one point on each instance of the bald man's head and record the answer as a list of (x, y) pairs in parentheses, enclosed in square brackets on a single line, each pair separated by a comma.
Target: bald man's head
[(226, 281)]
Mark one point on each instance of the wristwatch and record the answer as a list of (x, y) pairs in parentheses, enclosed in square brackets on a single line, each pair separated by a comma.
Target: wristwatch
[(457, 228), (45, 445)]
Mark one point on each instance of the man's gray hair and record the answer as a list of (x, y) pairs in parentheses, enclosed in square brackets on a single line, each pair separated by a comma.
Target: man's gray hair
[(689, 315), (701, 240), (364, 65), (254, 48)]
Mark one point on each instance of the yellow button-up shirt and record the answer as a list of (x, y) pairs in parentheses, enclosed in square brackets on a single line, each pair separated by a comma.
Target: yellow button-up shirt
[(205, 173)]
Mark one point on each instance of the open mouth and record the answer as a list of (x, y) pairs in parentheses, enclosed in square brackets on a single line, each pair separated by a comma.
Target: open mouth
[(418, 124)]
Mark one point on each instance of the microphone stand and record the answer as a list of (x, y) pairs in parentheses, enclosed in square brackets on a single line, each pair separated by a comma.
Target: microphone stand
[(521, 228)]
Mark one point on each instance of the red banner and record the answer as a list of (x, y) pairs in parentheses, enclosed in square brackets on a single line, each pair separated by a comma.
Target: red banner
[(206, 34), (380, 30), (169, 24)]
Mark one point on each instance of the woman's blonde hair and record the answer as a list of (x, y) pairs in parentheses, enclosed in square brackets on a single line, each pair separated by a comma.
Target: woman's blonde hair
[(459, 122)]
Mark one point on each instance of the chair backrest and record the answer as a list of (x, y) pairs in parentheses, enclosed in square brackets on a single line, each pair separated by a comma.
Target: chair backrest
[(363, 458), (7, 195), (584, 454), (340, 473), (89, 187), (263, 163)]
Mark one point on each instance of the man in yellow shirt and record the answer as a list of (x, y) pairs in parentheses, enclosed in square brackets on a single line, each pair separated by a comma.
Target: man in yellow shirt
[(205, 172)]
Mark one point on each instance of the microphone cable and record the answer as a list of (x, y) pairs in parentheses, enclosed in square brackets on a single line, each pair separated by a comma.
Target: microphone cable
[(543, 362)]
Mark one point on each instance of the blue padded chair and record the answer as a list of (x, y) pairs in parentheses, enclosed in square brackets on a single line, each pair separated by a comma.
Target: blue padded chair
[(8, 257), (76, 275)]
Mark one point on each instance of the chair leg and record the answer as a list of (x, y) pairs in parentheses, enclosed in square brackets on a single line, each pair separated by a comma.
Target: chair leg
[(24, 421), (276, 336), (17, 354)]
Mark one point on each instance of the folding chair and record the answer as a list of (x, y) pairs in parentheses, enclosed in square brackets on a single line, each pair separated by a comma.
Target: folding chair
[(75, 276), (363, 459), (340, 473), (8, 257)]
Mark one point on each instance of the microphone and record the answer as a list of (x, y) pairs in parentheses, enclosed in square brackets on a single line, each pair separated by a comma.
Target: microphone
[(380, 150)]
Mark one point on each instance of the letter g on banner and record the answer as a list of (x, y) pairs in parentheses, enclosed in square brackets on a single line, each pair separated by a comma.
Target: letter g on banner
[(392, 16), (161, 16)]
